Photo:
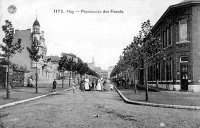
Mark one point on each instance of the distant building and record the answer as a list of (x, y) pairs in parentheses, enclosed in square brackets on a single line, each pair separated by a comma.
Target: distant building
[(104, 74), (110, 68), (91, 65), (54, 65), (98, 70)]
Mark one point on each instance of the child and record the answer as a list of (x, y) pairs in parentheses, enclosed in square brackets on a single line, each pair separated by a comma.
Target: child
[(73, 86)]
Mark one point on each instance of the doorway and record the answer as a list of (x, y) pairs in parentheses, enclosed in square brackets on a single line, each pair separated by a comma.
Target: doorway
[(184, 76)]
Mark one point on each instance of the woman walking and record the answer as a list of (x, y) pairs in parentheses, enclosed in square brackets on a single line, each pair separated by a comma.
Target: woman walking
[(54, 85), (98, 88)]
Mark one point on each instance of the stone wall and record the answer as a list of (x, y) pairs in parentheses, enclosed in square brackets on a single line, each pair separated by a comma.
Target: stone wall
[(16, 78)]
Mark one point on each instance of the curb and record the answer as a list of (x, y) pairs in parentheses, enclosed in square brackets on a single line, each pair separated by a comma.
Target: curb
[(157, 105), (30, 99)]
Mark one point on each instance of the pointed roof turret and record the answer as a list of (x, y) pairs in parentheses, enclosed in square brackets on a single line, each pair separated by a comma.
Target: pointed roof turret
[(36, 23)]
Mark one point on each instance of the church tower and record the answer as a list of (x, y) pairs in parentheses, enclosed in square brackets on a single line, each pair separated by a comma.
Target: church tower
[(36, 30), (93, 63)]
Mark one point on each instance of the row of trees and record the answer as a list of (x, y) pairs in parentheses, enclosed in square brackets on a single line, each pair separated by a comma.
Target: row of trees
[(70, 62), (134, 56)]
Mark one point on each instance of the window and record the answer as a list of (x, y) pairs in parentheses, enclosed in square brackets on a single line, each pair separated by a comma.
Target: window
[(183, 59), (169, 69), (164, 39), (170, 35), (159, 71), (37, 30), (163, 42), (167, 37), (183, 30), (163, 71)]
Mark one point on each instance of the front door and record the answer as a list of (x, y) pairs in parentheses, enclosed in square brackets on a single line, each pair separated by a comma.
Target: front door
[(184, 76)]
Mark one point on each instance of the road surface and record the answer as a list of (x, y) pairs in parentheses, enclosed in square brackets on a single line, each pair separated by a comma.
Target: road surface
[(92, 109)]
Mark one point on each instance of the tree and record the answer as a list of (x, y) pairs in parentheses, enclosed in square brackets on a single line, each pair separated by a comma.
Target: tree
[(35, 56), (136, 55), (68, 63), (150, 46), (9, 48)]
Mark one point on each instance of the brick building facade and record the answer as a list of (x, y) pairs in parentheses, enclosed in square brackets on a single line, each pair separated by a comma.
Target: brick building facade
[(176, 66)]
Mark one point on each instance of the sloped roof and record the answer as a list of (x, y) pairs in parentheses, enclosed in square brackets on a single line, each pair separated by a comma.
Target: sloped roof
[(182, 3), (53, 58)]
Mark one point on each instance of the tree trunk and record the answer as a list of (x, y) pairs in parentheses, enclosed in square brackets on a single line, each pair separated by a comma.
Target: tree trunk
[(69, 77), (146, 83), (8, 84), (63, 79), (135, 87), (36, 79)]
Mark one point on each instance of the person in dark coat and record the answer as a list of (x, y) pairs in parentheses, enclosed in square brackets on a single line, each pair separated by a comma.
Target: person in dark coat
[(54, 85)]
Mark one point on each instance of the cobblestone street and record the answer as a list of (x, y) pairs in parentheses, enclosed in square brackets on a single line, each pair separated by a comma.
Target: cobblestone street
[(93, 109)]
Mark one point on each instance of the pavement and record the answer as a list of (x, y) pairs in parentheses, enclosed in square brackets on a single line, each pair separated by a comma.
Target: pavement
[(166, 99), (93, 109), (23, 94)]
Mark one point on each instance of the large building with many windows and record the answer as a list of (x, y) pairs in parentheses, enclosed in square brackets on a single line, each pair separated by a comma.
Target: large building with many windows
[(44, 66), (177, 65)]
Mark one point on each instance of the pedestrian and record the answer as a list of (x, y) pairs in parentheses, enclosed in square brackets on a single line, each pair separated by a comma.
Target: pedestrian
[(73, 86), (93, 84), (54, 85), (30, 82), (83, 84), (98, 87), (87, 86)]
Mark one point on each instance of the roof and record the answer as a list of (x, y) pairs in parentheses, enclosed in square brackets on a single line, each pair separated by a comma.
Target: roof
[(53, 58), (36, 23), (182, 3)]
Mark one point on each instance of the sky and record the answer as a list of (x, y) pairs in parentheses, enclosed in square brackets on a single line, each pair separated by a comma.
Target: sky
[(101, 36)]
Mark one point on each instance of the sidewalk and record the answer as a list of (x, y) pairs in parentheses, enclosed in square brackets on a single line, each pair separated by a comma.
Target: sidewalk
[(164, 97), (22, 93)]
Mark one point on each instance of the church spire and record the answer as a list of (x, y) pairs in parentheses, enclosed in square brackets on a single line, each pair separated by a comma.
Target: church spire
[(36, 14), (93, 61)]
